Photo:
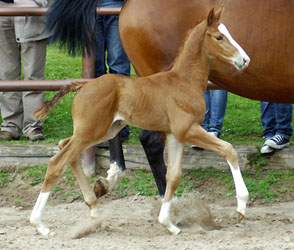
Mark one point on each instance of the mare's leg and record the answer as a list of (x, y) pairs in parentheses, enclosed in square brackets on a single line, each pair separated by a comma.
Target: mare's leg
[(197, 135), (56, 167), (174, 171), (116, 152), (153, 143)]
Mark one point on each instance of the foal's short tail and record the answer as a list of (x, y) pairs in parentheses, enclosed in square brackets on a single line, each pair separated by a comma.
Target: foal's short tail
[(42, 111)]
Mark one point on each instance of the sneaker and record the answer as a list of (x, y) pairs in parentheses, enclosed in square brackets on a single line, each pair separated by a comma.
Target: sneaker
[(265, 149), (215, 134), (36, 135), (7, 136), (278, 142)]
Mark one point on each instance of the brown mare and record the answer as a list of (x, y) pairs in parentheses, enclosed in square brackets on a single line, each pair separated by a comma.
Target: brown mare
[(152, 31), (171, 102)]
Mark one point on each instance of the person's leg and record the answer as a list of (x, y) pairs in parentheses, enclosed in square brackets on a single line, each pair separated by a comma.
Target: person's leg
[(33, 60), (217, 110), (284, 119), (205, 123), (268, 121), (284, 128), (11, 110)]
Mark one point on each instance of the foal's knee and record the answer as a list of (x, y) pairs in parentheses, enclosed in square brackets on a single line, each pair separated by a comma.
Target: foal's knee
[(62, 143), (229, 153)]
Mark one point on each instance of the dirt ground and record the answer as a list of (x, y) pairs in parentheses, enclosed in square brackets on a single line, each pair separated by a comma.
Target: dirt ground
[(131, 223)]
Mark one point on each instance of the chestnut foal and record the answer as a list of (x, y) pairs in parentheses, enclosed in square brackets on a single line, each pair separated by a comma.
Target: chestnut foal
[(171, 102)]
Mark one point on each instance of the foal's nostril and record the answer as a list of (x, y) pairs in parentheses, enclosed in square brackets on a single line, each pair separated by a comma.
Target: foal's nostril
[(244, 60)]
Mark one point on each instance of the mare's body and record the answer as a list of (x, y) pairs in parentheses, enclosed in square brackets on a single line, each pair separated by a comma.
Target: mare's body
[(151, 32)]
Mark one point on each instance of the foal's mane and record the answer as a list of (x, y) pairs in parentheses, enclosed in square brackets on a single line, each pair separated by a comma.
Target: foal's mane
[(202, 24)]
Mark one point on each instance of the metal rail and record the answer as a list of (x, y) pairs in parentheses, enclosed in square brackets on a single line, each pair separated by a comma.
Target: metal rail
[(41, 11)]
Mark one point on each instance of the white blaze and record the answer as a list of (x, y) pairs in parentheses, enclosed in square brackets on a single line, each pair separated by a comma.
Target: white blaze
[(223, 29)]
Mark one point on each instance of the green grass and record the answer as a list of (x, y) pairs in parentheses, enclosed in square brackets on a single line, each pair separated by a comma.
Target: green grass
[(269, 186)]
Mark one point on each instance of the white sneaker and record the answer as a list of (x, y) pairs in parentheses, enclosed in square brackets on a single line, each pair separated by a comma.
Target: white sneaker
[(215, 134), (278, 142), (265, 149)]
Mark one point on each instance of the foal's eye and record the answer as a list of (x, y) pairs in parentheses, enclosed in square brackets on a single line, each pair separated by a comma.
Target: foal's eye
[(219, 38)]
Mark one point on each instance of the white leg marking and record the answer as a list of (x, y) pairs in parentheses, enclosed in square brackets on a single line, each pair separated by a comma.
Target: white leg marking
[(241, 189), (94, 212), (175, 154), (114, 174), (36, 216), (164, 218)]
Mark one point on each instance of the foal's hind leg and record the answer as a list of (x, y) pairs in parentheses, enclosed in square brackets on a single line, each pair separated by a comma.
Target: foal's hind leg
[(174, 171), (197, 135), (56, 167), (89, 196)]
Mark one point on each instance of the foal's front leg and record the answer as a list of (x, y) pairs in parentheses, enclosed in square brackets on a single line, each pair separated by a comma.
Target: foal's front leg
[(174, 171), (197, 135)]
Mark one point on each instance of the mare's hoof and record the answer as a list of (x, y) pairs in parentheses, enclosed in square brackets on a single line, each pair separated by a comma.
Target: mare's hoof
[(240, 217), (101, 187)]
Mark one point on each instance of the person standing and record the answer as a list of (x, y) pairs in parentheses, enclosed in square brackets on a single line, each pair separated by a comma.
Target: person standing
[(23, 41), (276, 120)]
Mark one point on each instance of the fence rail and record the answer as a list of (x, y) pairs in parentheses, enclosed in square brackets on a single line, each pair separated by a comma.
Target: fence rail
[(41, 11)]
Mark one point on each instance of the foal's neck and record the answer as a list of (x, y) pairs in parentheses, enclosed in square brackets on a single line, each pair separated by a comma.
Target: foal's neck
[(192, 60)]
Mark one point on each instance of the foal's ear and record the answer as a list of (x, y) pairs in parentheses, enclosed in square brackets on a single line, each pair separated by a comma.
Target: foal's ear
[(218, 13), (214, 16)]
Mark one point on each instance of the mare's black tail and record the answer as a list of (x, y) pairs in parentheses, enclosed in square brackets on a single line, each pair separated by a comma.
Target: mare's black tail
[(72, 23)]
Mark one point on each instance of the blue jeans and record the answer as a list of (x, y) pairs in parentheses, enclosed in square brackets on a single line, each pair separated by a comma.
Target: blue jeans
[(216, 104), (109, 44), (276, 119), (109, 47)]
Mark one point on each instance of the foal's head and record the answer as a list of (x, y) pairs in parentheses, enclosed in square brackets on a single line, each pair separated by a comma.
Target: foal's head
[(221, 47)]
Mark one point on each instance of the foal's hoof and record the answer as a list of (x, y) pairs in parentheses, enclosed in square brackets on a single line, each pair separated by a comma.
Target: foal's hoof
[(101, 187), (240, 217)]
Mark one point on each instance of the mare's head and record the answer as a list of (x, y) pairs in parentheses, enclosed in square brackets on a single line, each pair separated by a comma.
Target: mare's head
[(221, 47)]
